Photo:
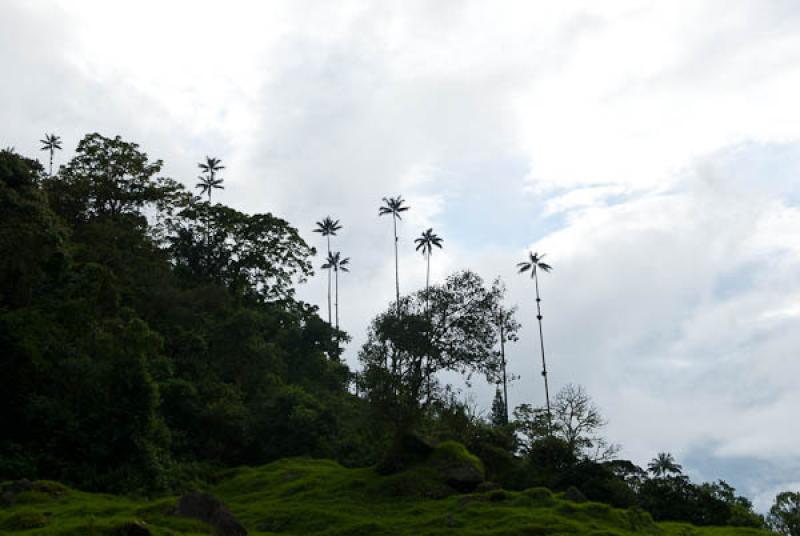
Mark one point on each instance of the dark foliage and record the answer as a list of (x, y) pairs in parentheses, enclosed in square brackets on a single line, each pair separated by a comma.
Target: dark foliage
[(133, 351)]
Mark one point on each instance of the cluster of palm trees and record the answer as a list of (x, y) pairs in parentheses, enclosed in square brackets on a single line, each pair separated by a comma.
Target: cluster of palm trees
[(209, 180), (334, 262), (394, 207)]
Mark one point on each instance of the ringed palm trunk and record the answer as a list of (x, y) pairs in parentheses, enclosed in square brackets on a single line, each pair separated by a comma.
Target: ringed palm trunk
[(541, 343), (503, 361), (396, 265), (427, 281), (428, 313), (337, 299), (51, 161), (329, 282)]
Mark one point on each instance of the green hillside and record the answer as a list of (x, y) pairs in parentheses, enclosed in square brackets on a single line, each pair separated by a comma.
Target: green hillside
[(307, 496)]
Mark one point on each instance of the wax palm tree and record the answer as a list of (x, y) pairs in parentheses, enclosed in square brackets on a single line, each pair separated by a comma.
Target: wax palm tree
[(664, 464), (51, 143), (425, 242), (328, 228), (533, 265), (394, 206), (337, 264), (209, 182)]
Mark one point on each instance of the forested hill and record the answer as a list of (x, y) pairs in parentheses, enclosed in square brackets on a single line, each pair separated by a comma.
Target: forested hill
[(151, 341), (147, 333)]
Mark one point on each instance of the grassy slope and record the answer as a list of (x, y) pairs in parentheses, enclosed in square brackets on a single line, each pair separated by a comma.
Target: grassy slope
[(302, 496)]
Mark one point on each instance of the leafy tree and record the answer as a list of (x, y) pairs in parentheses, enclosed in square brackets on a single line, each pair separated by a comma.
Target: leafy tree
[(328, 227), (336, 263), (261, 256), (25, 220), (664, 464), (51, 143), (574, 419), (784, 515), (394, 206), (533, 265), (132, 352), (499, 411), (110, 178), (409, 341)]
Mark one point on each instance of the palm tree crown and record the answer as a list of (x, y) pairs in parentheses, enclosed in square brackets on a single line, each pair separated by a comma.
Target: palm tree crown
[(51, 143), (534, 263), (427, 240), (393, 206), (328, 226), (211, 165), (336, 262), (664, 464)]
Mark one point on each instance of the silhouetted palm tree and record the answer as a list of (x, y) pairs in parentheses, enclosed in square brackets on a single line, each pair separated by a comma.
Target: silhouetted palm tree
[(328, 228), (533, 265), (394, 206), (664, 464), (51, 143), (337, 264), (504, 322), (426, 243), (209, 182)]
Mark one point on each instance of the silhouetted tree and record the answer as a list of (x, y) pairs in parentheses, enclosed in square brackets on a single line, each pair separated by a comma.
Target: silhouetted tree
[(208, 181), (406, 344), (51, 143), (110, 178), (337, 264), (394, 206), (507, 327), (499, 410), (426, 243), (328, 228), (533, 265), (664, 464)]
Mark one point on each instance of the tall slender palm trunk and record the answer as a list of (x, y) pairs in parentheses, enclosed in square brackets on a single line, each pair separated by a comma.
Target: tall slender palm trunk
[(428, 314), (503, 361), (541, 343), (208, 218), (396, 265), (51, 161), (329, 283), (427, 282), (337, 298)]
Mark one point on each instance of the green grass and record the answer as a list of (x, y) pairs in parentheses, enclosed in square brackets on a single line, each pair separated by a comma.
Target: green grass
[(304, 496)]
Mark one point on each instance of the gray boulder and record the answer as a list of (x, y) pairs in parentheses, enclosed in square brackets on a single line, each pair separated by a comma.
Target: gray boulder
[(206, 507)]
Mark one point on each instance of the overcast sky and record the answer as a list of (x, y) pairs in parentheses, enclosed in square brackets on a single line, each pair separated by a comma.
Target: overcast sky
[(652, 150)]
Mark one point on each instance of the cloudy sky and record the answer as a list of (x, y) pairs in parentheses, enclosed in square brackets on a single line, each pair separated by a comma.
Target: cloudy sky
[(651, 149)]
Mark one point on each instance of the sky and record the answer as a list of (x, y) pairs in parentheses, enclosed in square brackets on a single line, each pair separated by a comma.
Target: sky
[(650, 149)]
